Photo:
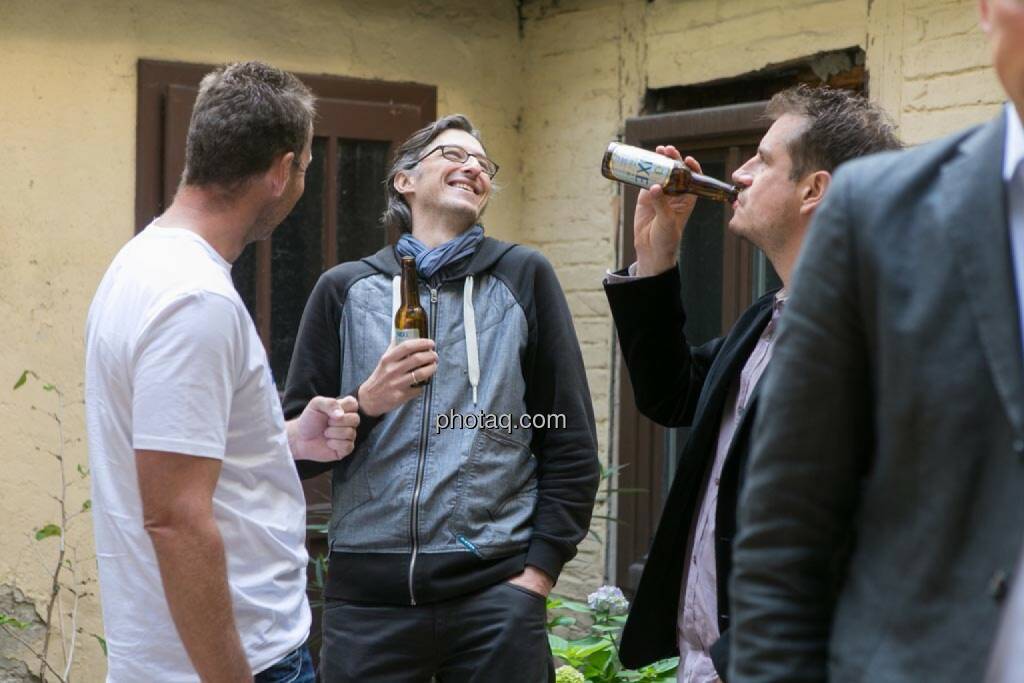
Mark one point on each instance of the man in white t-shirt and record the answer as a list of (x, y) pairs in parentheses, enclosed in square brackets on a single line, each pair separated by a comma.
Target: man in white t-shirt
[(198, 510)]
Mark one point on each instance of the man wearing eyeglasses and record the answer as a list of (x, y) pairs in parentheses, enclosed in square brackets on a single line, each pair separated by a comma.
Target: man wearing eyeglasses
[(446, 542)]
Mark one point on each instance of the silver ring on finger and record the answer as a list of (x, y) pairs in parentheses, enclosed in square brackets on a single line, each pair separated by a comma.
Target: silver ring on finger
[(414, 380)]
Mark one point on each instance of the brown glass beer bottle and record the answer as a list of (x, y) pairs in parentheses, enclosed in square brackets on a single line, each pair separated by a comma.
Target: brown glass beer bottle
[(410, 319), (645, 168)]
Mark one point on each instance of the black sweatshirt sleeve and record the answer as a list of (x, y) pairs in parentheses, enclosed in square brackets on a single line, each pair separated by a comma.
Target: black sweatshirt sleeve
[(556, 384), (315, 369), (667, 374)]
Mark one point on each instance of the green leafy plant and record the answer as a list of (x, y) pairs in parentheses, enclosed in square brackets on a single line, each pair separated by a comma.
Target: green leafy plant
[(594, 657), (67, 587), (319, 581), (11, 622)]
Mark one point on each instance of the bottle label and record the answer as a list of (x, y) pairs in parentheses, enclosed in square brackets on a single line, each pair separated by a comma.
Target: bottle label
[(640, 167), (406, 335)]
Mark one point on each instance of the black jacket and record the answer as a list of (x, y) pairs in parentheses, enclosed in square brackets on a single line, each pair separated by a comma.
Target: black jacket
[(677, 385), (423, 512)]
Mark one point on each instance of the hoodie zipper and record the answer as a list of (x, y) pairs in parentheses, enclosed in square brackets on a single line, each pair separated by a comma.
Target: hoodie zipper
[(422, 461)]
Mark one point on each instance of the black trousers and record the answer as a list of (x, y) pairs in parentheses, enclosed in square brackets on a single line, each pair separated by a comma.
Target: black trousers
[(495, 636)]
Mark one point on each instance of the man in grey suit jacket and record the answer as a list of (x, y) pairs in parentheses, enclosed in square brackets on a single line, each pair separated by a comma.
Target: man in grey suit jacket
[(884, 501)]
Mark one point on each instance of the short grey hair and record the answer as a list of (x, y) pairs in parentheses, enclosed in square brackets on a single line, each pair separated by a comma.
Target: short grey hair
[(245, 116)]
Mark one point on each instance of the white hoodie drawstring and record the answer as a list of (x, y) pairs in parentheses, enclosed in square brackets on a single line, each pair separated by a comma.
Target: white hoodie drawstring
[(469, 324)]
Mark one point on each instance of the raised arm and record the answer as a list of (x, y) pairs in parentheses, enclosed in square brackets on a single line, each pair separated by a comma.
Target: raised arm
[(666, 373)]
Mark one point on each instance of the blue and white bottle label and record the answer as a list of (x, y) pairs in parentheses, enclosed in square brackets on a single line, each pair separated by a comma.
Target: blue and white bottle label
[(406, 335), (640, 166)]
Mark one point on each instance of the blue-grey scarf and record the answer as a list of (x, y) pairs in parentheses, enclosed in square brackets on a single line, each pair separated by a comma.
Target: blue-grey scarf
[(429, 261)]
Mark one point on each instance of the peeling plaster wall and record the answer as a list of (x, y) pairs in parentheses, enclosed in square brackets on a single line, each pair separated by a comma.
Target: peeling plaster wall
[(67, 184), (930, 66), (13, 668), (694, 41)]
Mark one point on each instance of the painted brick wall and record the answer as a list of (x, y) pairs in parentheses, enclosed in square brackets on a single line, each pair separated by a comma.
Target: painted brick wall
[(580, 61), (586, 65), (933, 66)]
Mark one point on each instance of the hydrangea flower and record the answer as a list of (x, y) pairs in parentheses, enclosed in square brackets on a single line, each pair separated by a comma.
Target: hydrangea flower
[(567, 674), (608, 599)]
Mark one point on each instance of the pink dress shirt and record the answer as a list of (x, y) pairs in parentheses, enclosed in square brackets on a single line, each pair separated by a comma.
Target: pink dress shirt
[(697, 626)]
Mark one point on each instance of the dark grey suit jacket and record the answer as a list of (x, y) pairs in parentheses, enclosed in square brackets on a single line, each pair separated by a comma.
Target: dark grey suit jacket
[(1007, 662), (884, 501)]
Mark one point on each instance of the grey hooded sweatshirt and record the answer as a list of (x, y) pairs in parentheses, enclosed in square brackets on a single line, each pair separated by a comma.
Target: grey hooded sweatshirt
[(421, 514)]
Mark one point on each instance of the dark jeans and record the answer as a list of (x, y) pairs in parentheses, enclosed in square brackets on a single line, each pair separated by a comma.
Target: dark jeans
[(294, 667), (498, 635)]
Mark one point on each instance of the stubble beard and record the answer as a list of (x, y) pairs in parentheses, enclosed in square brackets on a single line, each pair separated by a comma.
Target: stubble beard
[(456, 214), (265, 224)]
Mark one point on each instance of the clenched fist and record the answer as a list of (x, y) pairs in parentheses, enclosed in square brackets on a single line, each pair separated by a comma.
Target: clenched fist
[(326, 429)]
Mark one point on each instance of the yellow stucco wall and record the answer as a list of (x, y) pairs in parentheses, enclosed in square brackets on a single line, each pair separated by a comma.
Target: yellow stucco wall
[(548, 91), (67, 181)]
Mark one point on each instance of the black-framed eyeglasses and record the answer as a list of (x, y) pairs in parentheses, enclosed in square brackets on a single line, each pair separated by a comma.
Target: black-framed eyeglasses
[(460, 155)]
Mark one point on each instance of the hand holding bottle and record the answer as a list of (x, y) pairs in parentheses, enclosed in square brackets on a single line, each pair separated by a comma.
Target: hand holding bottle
[(659, 221), (392, 382)]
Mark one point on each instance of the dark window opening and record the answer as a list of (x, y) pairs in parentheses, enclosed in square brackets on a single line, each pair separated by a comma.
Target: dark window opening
[(837, 68)]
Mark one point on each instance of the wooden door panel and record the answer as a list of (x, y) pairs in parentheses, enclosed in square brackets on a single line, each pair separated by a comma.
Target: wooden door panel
[(180, 100)]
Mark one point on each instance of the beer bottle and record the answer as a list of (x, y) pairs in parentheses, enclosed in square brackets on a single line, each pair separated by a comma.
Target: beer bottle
[(410, 319), (644, 168)]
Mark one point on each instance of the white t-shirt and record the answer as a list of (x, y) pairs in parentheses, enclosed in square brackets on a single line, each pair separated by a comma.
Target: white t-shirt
[(173, 363)]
